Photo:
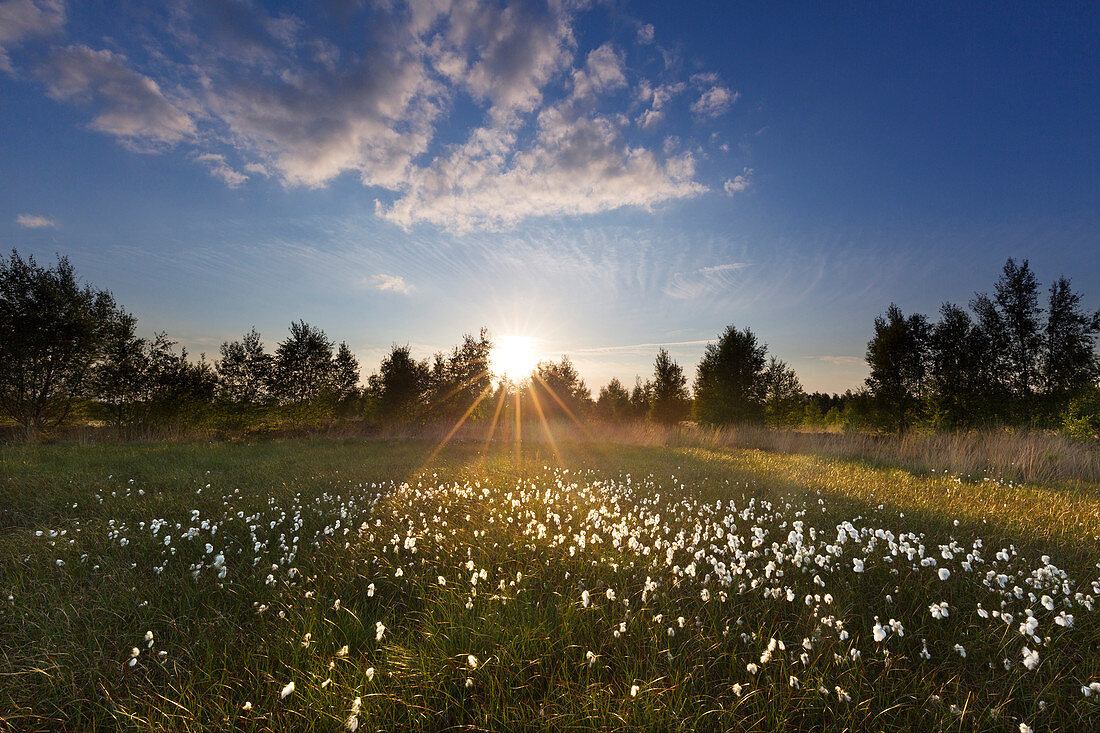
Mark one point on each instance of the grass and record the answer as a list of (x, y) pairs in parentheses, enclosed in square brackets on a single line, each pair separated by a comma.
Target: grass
[(298, 525)]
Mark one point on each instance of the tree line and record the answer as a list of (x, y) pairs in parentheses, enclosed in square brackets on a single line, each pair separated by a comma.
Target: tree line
[(69, 352), (1005, 361)]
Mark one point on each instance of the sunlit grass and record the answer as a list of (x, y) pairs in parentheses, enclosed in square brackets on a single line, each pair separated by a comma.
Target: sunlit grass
[(476, 564)]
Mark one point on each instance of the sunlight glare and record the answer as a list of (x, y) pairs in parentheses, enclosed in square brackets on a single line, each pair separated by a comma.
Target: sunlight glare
[(514, 356)]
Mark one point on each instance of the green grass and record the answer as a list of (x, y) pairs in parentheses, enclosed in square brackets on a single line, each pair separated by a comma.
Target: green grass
[(67, 632)]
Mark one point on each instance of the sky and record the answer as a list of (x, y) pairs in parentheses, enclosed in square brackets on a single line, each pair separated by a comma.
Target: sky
[(606, 178)]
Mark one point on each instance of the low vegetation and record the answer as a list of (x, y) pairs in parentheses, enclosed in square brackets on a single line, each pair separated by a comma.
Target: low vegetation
[(350, 585)]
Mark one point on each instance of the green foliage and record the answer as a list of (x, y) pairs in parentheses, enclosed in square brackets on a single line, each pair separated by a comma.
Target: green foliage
[(1082, 417), (460, 382), (400, 386), (52, 331), (897, 355), (307, 538), (730, 382), (669, 400), (613, 404), (559, 390)]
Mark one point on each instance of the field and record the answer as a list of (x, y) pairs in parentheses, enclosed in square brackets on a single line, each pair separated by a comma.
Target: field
[(342, 585)]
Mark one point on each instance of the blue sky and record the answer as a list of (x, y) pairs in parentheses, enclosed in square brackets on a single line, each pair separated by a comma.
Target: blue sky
[(606, 177)]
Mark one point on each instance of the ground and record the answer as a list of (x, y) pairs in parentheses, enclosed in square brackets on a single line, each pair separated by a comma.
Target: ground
[(327, 585)]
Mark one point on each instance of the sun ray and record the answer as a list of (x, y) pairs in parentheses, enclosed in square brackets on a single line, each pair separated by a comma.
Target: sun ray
[(493, 423), (546, 427), (469, 410)]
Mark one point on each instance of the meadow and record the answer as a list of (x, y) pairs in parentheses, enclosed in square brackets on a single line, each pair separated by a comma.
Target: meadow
[(381, 585)]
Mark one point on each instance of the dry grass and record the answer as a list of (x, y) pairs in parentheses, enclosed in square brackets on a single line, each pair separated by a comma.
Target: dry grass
[(1034, 457), (1029, 456)]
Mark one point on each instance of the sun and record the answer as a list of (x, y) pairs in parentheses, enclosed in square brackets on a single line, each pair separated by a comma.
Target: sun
[(514, 356)]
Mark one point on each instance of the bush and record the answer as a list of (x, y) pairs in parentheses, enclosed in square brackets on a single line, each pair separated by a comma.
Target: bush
[(1081, 419)]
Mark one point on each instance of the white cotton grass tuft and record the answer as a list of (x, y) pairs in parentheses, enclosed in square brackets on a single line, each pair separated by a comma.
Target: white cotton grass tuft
[(287, 690), (352, 722), (634, 690), (379, 630)]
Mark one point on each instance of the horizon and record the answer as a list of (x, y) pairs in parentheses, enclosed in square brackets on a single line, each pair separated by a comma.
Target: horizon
[(602, 180)]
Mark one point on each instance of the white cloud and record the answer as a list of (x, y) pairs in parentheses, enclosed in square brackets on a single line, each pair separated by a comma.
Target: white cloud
[(22, 20), (656, 97), (603, 72), (390, 283), (714, 101), (288, 98), (504, 55), (705, 281), (34, 221), (738, 183), (219, 168), (130, 106), (576, 165)]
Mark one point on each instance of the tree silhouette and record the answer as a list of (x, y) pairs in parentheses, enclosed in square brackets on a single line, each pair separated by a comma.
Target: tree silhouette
[(52, 331), (613, 404), (669, 400), (897, 356), (730, 386), (400, 386)]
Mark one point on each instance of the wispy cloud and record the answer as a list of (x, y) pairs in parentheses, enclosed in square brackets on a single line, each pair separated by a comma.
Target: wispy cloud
[(639, 348), (390, 283), (704, 280), (35, 221), (847, 361)]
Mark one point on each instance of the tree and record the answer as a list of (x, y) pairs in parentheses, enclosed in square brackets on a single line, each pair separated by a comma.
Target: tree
[(955, 368), (897, 356), (52, 331), (669, 400), (613, 404), (558, 388), (783, 395), (119, 378), (1070, 364), (400, 385), (640, 397), (345, 375), (460, 382), (303, 366), (990, 347), (245, 371), (1016, 295), (730, 385), (178, 390)]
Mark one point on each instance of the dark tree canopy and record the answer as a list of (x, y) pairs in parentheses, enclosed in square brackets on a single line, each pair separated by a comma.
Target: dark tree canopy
[(897, 355), (730, 386), (245, 371), (559, 389), (52, 331), (400, 386), (614, 402), (669, 399), (1070, 364)]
